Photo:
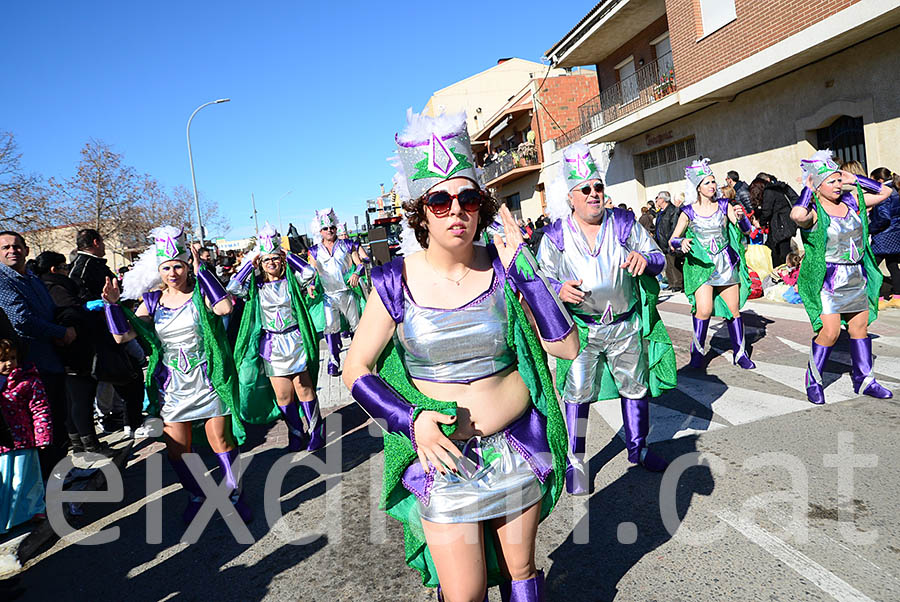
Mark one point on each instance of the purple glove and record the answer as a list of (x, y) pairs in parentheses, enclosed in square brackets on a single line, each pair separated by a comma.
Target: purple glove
[(115, 319), (392, 413), (552, 319), (210, 286)]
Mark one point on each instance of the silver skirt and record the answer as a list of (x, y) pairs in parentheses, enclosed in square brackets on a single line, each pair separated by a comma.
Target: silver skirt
[(189, 397), (844, 290), (285, 351), (494, 481)]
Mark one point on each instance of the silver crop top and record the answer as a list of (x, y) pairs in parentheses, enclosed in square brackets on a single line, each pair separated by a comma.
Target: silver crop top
[(459, 345)]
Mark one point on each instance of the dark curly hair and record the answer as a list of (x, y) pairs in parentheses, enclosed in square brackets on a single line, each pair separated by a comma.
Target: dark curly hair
[(415, 215)]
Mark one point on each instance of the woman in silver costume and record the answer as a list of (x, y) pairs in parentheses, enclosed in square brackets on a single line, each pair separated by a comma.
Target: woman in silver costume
[(712, 224), (839, 279), (276, 333), (184, 330), (479, 491)]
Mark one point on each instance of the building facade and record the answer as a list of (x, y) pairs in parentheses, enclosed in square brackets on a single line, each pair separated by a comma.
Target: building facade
[(755, 85)]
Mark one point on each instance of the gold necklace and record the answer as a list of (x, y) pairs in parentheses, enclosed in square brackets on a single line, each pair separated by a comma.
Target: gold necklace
[(456, 282)]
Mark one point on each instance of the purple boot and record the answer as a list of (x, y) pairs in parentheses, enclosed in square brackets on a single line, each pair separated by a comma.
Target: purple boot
[(526, 590), (195, 493), (736, 331), (227, 460), (636, 420), (297, 439), (316, 424), (334, 345), (576, 472), (818, 357), (862, 373), (697, 355)]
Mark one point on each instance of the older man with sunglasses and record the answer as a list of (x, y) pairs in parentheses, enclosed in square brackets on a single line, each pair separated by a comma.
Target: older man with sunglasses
[(338, 266), (604, 269)]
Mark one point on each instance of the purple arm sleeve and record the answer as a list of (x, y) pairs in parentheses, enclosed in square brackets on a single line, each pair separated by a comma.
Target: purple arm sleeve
[(675, 243), (744, 224), (552, 319), (360, 269), (244, 273), (868, 184), (806, 199), (210, 286), (115, 319), (656, 261), (381, 402), (297, 264)]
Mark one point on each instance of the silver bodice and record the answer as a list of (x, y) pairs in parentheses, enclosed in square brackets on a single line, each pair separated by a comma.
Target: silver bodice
[(844, 239), (181, 336), (712, 233), (186, 392), (605, 284), (275, 306), (333, 267), (456, 345)]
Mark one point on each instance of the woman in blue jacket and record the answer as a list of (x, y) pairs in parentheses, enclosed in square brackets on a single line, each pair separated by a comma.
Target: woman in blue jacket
[(884, 226)]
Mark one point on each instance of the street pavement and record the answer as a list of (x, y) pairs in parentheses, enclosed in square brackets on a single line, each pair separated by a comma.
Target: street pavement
[(759, 504)]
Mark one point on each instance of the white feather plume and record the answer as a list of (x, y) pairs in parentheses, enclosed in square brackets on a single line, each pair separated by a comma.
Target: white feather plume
[(143, 275), (558, 199), (408, 242), (419, 126)]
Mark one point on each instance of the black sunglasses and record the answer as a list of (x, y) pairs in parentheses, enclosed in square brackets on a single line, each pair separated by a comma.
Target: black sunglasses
[(441, 201), (586, 189)]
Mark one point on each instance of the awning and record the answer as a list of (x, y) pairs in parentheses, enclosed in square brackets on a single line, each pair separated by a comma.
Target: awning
[(499, 127)]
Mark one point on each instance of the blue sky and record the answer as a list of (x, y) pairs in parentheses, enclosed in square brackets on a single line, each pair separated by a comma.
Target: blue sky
[(318, 89)]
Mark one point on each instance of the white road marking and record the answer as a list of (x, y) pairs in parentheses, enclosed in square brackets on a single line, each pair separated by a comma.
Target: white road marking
[(665, 423), (805, 566), (736, 404)]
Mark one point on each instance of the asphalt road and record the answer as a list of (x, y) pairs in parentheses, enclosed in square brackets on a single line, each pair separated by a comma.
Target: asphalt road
[(769, 498)]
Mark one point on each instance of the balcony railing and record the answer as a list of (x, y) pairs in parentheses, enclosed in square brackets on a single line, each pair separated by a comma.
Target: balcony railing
[(508, 162), (647, 85)]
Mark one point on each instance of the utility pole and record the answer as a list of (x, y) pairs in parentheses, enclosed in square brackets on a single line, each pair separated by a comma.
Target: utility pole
[(255, 219)]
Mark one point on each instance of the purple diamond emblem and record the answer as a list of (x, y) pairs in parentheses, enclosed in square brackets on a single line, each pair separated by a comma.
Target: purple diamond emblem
[(854, 251), (607, 317), (714, 246), (184, 364), (171, 247), (440, 159)]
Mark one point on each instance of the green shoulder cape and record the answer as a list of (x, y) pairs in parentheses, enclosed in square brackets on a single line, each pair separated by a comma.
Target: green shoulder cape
[(399, 503), (257, 399), (812, 269), (219, 364), (660, 354), (698, 267)]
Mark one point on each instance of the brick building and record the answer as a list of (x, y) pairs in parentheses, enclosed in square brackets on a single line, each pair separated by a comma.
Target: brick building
[(509, 146), (755, 85)]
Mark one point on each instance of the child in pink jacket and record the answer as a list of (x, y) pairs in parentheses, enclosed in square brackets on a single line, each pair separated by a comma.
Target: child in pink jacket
[(24, 427)]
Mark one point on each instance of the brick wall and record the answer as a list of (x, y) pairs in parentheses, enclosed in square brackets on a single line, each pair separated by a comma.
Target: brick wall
[(638, 46), (759, 24), (562, 96)]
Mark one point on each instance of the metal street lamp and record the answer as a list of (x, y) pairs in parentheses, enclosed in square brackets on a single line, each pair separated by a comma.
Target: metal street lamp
[(191, 159), (278, 205)]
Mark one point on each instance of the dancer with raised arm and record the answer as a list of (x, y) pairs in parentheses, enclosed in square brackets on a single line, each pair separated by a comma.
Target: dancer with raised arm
[(337, 299), (191, 374), (277, 349), (449, 360), (839, 279), (605, 270), (710, 233)]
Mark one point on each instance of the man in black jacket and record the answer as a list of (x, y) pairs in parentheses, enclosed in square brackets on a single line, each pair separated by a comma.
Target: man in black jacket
[(775, 214), (113, 365), (741, 191), (666, 218)]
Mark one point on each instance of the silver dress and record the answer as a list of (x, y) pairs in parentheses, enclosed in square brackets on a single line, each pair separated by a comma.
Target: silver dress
[(281, 346), (614, 327), (185, 391), (844, 289), (462, 345), (712, 234), (459, 345), (339, 299)]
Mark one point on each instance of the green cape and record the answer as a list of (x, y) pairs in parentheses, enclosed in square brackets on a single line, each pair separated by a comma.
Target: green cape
[(698, 267), (399, 503), (257, 399), (219, 363), (660, 354), (812, 269)]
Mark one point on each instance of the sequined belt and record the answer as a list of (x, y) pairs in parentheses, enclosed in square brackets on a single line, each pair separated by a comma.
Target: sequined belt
[(285, 331), (604, 321)]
